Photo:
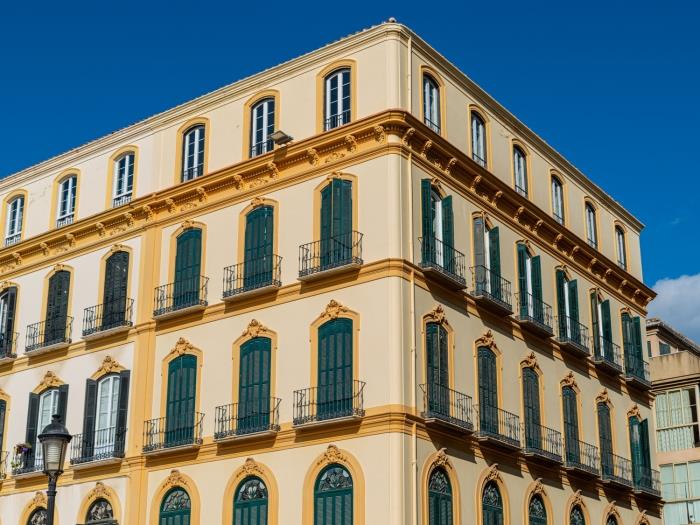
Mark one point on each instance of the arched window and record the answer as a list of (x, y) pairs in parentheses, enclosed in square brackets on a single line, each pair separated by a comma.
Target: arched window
[(8, 305), (333, 496), (431, 103), (438, 374), (38, 517), (531, 399), (537, 513), (123, 179), (591, 227), (262, 125), (193, 153), (254, 386), (39, 412), (337, 99), (576, 516), (250, 502), (605, 438), (67, 191), (439, 498), (48, 406), (335, 373), (259, 242), (478, 139), (492, 505), (520, 170), (488, 392), (621, 248), (175, 508), (557, 200), (571, 434), (15, 218), (100, 513), (612, 520)]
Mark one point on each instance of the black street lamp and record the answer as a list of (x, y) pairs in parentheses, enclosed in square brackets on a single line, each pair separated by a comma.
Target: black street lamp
[(54, 441)]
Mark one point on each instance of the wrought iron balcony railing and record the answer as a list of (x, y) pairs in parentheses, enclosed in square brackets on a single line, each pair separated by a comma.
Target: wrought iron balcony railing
[(480, 161), (121, 200), (11, 240), (252, 275), (443, 260), (192, 172), (251, 417), (432, 125), (636, 369), (49, 333), (647, 481), (336, 120), (328, 402), (605, 352), (170, 432), (542, 442), (181, 295), (8, 345), (573, 335), (491, 289), (522, 191), (444, 405), (337, 252), (25, 461), (534, 313), (100, 445), (498, 426), (581, 457), (616, 469), (108, 316), (262, 147), (64, 221)]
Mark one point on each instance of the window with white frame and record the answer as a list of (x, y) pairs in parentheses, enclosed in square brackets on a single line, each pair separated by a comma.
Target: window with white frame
[(123, 179), (591, 227), (680, 489), (337, 99), (478, 139), (262, 125), (67, 191), (520, 170), (677, 420), (15, 217), (48, 406), (557, 200), (106, 414), (621, 249), (193, 153), (431, 103)]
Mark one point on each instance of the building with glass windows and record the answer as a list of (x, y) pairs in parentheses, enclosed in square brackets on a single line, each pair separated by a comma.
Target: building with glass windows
[(412, 313), (675, 374)]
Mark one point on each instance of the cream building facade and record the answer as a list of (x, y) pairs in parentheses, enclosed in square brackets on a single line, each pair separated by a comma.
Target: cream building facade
[(414, 312)]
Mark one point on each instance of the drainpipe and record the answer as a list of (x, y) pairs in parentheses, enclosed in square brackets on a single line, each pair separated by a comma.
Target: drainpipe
[(412, 313)]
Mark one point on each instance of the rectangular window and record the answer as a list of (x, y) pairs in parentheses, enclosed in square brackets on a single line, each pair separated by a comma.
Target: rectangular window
[(337, 99), (664, 348), (66, 201), (591, 228), (677, 420), (123, 179), (15, 212), (680, 488)]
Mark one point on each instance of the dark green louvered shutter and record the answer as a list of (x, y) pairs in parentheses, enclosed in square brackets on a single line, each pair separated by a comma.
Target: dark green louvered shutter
[(536, 271), (488, 390), (531, 397), (595, 323), (333, 501), (187, 268), (57, 308), (122, 413), (336, 222), (254, 385), (644, 442), (259, 237), (439, 498), (182, 384), (335, 374), (326, 225), (31, 433), (638, 352), (448, 236), (115, 290), (635, 449), (571, 425), (3, 413), (89, 414), (573, 303), (561, 299), (605, 437), (522, 279), (479, 242), (628, 343), (495, 264), (607, 329), (9, 323), (427, 209), (438, 370), (63, 403)]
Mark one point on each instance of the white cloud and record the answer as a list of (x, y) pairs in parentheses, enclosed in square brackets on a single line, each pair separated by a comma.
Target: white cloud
[(678, 303)]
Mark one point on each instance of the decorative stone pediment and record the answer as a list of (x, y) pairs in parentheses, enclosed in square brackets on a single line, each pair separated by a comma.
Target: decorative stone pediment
[(334, 310), (603, 397), (634, 412), (252, 468), (109, 366), (117, 248), (254, 329), (441, 459), (256, 202), (50, 380), (175, 479), (487, 340), (332, 455), (530, 361), (99, 491), (437, 315), (569, 380), (183, 346), (492, 474), (538, 488)]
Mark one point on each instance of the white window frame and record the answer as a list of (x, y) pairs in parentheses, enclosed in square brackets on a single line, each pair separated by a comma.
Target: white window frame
[(107, 405), (15, 219), (621, 248), (520, 171), (478, 139), (591, 227), (67, 191), (557, 200), (437, 226), (431, 103), (123, 178), (195, 138), (44, 416), (342, 99), (259, 147)]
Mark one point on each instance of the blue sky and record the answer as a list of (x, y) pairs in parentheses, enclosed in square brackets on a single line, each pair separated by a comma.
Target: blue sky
[(612, 85)]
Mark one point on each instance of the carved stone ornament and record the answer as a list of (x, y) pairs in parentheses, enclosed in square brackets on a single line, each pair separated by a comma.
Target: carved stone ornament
[(475, 182), (518, 213), (39, 500), (496, 196), (530, 361), (612, 511), (643, 520), (407, 136), (607, 274), (129, 219), (486, 340), (181, 347), (634, 412), (492, 474), (109, 366), (334, 310), (117, 248), (251, 468), (538, 488), (50, 380), (334, 175), (254, 329), (186, 225), (603, 397), (59, 268), (257, 201), (351, 142), (313, 156), (98, 491), (275, 172), (44, 248), (101, 230), (148, 212), (379, 133), (201, 193), (435, 183), (175, 479), (426, 147), (70, 239), (577, 499), (441, 459), (332, 455), (171, 205), (450, 164), (537, 225), (623, 283), (437, 315), (237, 180), (569, 380), (592, 263), (574, 251)]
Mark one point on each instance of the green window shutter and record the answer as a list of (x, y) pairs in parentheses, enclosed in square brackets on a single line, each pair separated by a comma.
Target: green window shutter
[(342, 207), (188, 267), (63, 403), (538, 309), (531, 397), (427, 210), (9, 321), (635, 449), (115, 290), (494, 252), (561, 298), (522, 279), (605, 437), (57, 307), (573, 301), (571, 424), (3, 413), (326, 209), (335, 373), (439, 498), (644, 442), (637, 334), (438, 371), (607, 326), (122, 412), (488, 390), (333, 500), (594, 322), (627, 336), (89, 414), (180, 409), (448, 256), (254, 385), (259, 239), (32, 422), (479, 244)]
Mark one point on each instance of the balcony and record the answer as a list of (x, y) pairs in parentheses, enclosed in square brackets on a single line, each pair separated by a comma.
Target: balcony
[(491, 291), (498, 427), (442, 262), (8, 347), (180, 297), (445, 407), (647, 482), (64, 221), (479, 160), (121, 200), (534, 314), (581, 458), (337, 120), (262, 147), (107, 319), (252, 277), (25, 463), (11, 240), (104, 446), (616, 470), (328, 256), (572, 336), (52, 334), (329, 404), (164, 435), (606, 354), (542, 443), (239, 421), (636, 369)]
